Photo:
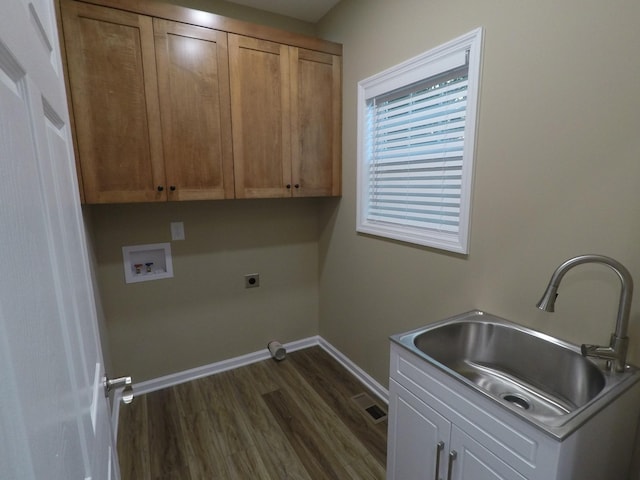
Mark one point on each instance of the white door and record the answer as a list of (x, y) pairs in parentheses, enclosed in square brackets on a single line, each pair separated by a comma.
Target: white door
[(54, 419)]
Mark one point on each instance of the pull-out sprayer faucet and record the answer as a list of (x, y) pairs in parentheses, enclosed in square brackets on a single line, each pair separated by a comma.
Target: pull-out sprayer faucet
[(616, 352)]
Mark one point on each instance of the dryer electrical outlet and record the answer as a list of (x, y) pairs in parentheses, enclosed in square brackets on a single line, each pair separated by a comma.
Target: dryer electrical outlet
[(252, 280)]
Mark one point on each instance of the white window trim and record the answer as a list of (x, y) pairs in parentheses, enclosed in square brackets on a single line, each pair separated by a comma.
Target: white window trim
[(411, 71)]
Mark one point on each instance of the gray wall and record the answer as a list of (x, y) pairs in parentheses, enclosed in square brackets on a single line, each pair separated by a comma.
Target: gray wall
[(558, 166), (558, 162), (204, 314)]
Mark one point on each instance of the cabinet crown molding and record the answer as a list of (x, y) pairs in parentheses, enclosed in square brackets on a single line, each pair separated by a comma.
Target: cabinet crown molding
[(201, 18)]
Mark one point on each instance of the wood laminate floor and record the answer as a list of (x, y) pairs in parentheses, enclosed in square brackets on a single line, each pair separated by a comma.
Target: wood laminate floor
[(293, 419)]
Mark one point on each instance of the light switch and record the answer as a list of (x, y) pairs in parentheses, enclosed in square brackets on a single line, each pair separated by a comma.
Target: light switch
[(177, 231)]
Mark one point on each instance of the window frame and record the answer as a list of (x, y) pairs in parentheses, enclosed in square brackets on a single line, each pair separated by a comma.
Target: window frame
[(422, 67)]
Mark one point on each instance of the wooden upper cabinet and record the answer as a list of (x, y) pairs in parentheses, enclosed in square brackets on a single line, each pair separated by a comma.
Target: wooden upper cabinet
[(169, 103), (286, 116), (114, 97), (316, 122), (261, 117), (193, 80)]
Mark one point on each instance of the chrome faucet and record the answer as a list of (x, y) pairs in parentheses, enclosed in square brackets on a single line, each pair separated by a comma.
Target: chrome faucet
[(616, 352)]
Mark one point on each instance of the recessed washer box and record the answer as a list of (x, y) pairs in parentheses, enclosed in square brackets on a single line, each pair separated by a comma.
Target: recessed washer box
[(143, 263)]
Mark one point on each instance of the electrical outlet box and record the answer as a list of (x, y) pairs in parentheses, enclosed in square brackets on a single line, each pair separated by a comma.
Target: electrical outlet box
[(252, 280), (147, 262)]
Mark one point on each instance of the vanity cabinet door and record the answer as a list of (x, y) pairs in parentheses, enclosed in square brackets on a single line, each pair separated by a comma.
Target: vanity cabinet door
[(418, 438), (114, 99), (193, 81), (424, 444), (474, 462)]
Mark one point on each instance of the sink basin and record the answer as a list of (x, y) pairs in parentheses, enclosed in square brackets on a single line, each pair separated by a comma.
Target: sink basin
[(543, 379), (534, 374)]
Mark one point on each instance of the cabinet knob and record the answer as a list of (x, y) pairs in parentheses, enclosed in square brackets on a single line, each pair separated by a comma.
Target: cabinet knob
[(288, 186), (160, 188), (297, 185), (172, 188)]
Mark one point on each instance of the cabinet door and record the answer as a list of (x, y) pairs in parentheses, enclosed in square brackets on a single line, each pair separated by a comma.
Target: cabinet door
[(418, 437), (474, 462), (316, 122), (114, 95), (260, 111), (193, 83)]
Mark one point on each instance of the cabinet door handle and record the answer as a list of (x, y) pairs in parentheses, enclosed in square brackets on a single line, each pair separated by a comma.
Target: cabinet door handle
[(160, 188), (297, 185), (288, 185), (439, 449), (452, 456), (172, 188)]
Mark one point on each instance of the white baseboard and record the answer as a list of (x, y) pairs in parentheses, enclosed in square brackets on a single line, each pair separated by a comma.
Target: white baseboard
[(174, 379), (381, 392)]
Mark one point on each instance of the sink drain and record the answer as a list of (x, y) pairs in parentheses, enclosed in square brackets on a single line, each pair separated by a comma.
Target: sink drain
[(517, 400)]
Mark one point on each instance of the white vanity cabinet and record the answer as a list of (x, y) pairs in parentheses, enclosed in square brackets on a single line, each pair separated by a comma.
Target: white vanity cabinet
[(471, 461), (437, 424), (427, 445)]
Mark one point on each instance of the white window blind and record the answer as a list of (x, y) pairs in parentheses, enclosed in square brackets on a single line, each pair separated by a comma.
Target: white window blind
[(416, 139)]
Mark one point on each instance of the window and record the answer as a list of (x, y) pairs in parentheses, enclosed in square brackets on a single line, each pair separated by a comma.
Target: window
[(416, 135)]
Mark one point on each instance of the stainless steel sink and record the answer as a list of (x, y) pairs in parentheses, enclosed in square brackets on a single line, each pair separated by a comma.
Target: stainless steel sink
[(543, 379)]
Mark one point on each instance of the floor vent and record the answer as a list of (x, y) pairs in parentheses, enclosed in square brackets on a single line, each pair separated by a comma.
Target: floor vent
[(369, 406)]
